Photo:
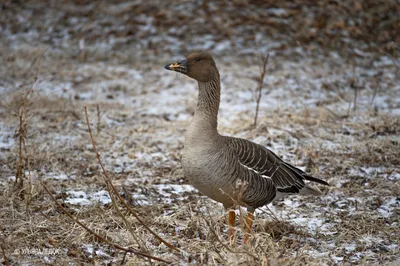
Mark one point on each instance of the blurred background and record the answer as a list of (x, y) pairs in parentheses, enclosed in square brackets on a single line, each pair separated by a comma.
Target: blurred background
[(225, 27)]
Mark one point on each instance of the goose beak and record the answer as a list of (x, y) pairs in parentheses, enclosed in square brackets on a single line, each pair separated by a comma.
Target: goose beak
[(178, 66)]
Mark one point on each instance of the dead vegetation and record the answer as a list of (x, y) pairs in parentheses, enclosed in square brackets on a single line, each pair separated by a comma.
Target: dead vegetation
[(263, 71), (106, 56), (197, 226)]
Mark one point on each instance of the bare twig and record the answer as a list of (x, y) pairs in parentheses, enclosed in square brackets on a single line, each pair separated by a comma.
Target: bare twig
[(123, 259), (23, 158), (114, 191), (104, 240), (98, 118), (270, 213), (20, 173), (355, 87), (127, 224), (374, 95), (237, 195), (355, 99), (393, 58), (263, 71), (3, 249), (38, 58)]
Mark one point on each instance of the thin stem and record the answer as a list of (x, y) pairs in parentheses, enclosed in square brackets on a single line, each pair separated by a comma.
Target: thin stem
[(263, 71), (95, 234), (108, 181)]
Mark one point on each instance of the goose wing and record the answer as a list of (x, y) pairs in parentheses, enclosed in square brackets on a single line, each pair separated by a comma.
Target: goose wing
[(286, 177)]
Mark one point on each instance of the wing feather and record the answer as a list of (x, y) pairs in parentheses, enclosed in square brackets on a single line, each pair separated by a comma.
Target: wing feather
[(286, 177)]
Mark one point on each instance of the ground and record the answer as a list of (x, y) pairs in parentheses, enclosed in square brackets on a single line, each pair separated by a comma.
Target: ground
[(330, 105)]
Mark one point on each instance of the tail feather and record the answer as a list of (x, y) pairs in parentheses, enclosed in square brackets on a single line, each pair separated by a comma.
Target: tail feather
[(317, 180), (304, 175)]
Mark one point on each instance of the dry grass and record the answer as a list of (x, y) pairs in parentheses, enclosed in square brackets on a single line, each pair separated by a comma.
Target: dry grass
[(196, 226), (357, 151)]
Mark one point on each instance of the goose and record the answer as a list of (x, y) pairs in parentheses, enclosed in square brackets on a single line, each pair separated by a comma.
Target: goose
[(229, 170)]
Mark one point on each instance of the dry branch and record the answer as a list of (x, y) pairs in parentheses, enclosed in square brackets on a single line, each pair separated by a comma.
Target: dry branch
[(263, 71), (98, 119), (23, 158), (394, 58), (114, 191), (19, 175), (3, 249), (129, 250), (355, 87), (127, 224)]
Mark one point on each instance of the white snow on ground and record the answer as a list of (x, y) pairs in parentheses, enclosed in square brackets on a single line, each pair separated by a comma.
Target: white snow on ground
[(6, 137), (166, 193), (312, 224), (372, 172), (91, 251), (169, 189), (389, 206), (174, 95), (58, 176), (34, 175), (128, 86), (87, 199), (289, 87)]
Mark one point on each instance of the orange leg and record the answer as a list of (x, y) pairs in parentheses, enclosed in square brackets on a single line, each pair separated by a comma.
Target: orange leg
[(231, 224), (249, 223)]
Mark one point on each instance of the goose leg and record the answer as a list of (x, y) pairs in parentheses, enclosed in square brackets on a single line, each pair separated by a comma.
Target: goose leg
[(231, 224), (249, 223)]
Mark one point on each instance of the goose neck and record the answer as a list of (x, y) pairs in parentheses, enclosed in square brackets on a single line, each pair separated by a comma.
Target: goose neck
[(209, 99)]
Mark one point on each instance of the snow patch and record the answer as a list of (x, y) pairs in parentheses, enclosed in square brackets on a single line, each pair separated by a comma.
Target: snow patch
[(389, 206), (84, 199)]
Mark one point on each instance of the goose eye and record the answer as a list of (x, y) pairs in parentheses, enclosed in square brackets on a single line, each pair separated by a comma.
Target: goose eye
[(197, 59)]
